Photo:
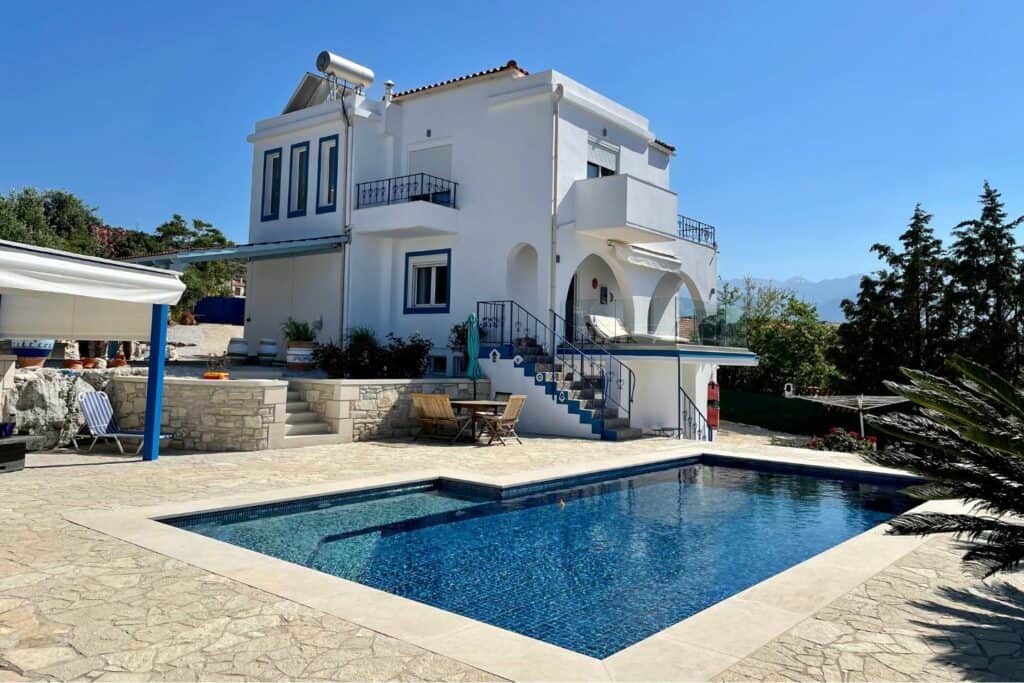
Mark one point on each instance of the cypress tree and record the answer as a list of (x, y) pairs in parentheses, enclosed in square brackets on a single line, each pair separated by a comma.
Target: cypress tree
[(984, 298)]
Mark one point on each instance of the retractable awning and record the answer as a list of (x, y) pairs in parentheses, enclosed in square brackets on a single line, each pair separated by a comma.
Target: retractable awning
[(45, 293), (256, 251)]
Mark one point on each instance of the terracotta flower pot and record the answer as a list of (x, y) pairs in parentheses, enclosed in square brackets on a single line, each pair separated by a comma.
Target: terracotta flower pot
[(88, 363), (72, 364), (215, 375)]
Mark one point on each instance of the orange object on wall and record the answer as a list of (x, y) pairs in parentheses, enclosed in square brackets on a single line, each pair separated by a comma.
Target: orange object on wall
[(713, 391), (713, 416)]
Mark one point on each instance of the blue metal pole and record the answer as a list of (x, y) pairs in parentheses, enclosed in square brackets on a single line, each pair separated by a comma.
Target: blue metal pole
[(155, 383)]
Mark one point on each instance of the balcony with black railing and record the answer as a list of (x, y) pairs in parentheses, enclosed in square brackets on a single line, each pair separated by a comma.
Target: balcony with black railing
[(416, 187), (698, 232)]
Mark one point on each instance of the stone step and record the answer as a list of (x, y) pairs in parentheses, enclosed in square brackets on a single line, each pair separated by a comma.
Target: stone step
[(294, 395), (296, 406), (301, 440), (627, 434), (298, 418), (305, 428), (616, 423)]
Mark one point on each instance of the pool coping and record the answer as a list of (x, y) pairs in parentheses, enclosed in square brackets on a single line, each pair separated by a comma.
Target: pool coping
[(695, 648)]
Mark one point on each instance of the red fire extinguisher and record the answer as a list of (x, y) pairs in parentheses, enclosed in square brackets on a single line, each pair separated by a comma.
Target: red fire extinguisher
[(714, 407)]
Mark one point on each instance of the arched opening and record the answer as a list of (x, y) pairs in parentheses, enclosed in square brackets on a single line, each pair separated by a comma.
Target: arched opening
[(691, 310), (664, 313), (595, 290), (522, 281)]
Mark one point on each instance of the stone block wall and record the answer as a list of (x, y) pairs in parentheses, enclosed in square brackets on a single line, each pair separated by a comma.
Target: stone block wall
[(363, 409), (209, 415)]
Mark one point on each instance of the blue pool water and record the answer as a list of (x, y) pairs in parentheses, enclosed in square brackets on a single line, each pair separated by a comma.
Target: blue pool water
[(592, 567)]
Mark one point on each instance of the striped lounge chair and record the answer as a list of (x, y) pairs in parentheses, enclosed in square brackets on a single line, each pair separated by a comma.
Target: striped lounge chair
[(100, 420)]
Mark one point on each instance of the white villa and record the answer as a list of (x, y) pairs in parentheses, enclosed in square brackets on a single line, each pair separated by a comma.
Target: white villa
[(529, 199)]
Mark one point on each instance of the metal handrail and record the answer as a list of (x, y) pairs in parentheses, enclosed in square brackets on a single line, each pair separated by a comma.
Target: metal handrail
[(407, 188), (504, 321), (693, 230), (613, 375), (692, 422)]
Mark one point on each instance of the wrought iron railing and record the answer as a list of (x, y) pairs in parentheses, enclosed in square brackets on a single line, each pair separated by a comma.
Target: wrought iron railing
[(692, 422), (507, 322), (407, 188), (619, 380), (692, 230)]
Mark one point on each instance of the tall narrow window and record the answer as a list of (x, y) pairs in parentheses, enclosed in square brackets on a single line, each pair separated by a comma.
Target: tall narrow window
[(271, 199), (327, 175), (428, 281), (298, 180)]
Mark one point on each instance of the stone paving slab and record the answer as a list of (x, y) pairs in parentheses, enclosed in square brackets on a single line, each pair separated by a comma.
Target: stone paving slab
[(77, 604)]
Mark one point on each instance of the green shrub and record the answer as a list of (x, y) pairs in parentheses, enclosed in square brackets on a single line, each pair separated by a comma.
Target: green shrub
[(300, 330), (407, 359), (839, 439), (363, 356)]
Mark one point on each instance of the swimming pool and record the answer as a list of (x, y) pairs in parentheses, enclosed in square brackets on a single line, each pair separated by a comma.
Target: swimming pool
[(590, 564)]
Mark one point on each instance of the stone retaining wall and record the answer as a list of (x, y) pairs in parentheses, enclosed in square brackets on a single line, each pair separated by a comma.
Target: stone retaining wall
[(362, 409), (209, 415)]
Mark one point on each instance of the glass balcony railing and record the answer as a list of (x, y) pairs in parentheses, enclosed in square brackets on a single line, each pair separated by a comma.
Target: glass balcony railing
[(407, 188), (674, 319)]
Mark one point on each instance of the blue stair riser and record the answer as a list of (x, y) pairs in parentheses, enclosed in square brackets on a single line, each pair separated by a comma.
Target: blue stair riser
[(592, 416)]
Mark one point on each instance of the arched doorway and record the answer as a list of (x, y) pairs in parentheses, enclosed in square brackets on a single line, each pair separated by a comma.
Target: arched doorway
[(522, 281)]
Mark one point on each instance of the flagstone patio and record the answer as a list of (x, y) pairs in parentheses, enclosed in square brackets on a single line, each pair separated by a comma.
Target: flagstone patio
[(77, 604)]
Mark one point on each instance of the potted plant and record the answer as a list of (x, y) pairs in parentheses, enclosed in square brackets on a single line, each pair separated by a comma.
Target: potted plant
[(301, 337), (216, 367), (32, 353)]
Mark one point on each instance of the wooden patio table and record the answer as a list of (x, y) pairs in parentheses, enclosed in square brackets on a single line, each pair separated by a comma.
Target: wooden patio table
[(477, 407)]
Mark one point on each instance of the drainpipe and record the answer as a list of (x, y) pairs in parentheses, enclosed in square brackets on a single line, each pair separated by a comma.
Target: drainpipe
[(346, 223), (553, 265)]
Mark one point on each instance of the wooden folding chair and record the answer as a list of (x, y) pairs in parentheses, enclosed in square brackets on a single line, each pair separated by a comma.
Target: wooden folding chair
[(437, 417), (504, 426)]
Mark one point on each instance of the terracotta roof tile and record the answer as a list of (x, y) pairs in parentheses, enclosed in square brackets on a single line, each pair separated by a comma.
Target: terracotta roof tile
[(510, 66), (662, 143)]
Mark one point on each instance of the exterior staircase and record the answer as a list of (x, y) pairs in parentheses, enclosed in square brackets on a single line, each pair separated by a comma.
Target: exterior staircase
[(580, 395), (303, 427)]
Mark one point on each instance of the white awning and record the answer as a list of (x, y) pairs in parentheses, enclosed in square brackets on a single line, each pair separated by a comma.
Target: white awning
[(45, 293), (647, 258)]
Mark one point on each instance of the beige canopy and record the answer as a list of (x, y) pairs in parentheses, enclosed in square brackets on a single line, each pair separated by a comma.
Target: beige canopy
[(45, 293)]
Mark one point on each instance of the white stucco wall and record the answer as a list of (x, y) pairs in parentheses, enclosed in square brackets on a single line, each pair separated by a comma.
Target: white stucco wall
[(500, 133)]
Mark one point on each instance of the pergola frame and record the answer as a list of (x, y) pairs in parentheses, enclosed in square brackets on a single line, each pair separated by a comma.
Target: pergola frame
[(66, 295)]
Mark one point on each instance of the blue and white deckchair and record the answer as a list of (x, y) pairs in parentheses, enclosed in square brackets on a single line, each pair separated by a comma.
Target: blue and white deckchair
[(99, 418)]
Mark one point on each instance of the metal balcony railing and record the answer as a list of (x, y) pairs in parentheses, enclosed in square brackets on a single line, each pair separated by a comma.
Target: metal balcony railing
[(692, 230), (417, 187)]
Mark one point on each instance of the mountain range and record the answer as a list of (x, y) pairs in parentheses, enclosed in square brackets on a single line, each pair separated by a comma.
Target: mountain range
[(825, 294)]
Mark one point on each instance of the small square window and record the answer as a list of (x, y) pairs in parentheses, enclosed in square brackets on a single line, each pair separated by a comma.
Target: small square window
[(271, 200), (298, 180), (428, 281)]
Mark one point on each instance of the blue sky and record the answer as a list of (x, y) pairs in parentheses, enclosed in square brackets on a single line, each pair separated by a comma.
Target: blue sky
[(806, 130)]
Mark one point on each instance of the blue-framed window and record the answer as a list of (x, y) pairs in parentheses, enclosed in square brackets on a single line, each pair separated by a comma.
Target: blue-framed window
[(327, 175), (428, 281), (270, 201), (298, 179)]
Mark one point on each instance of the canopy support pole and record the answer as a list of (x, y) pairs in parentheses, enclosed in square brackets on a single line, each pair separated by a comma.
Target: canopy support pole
[(155, 383)]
